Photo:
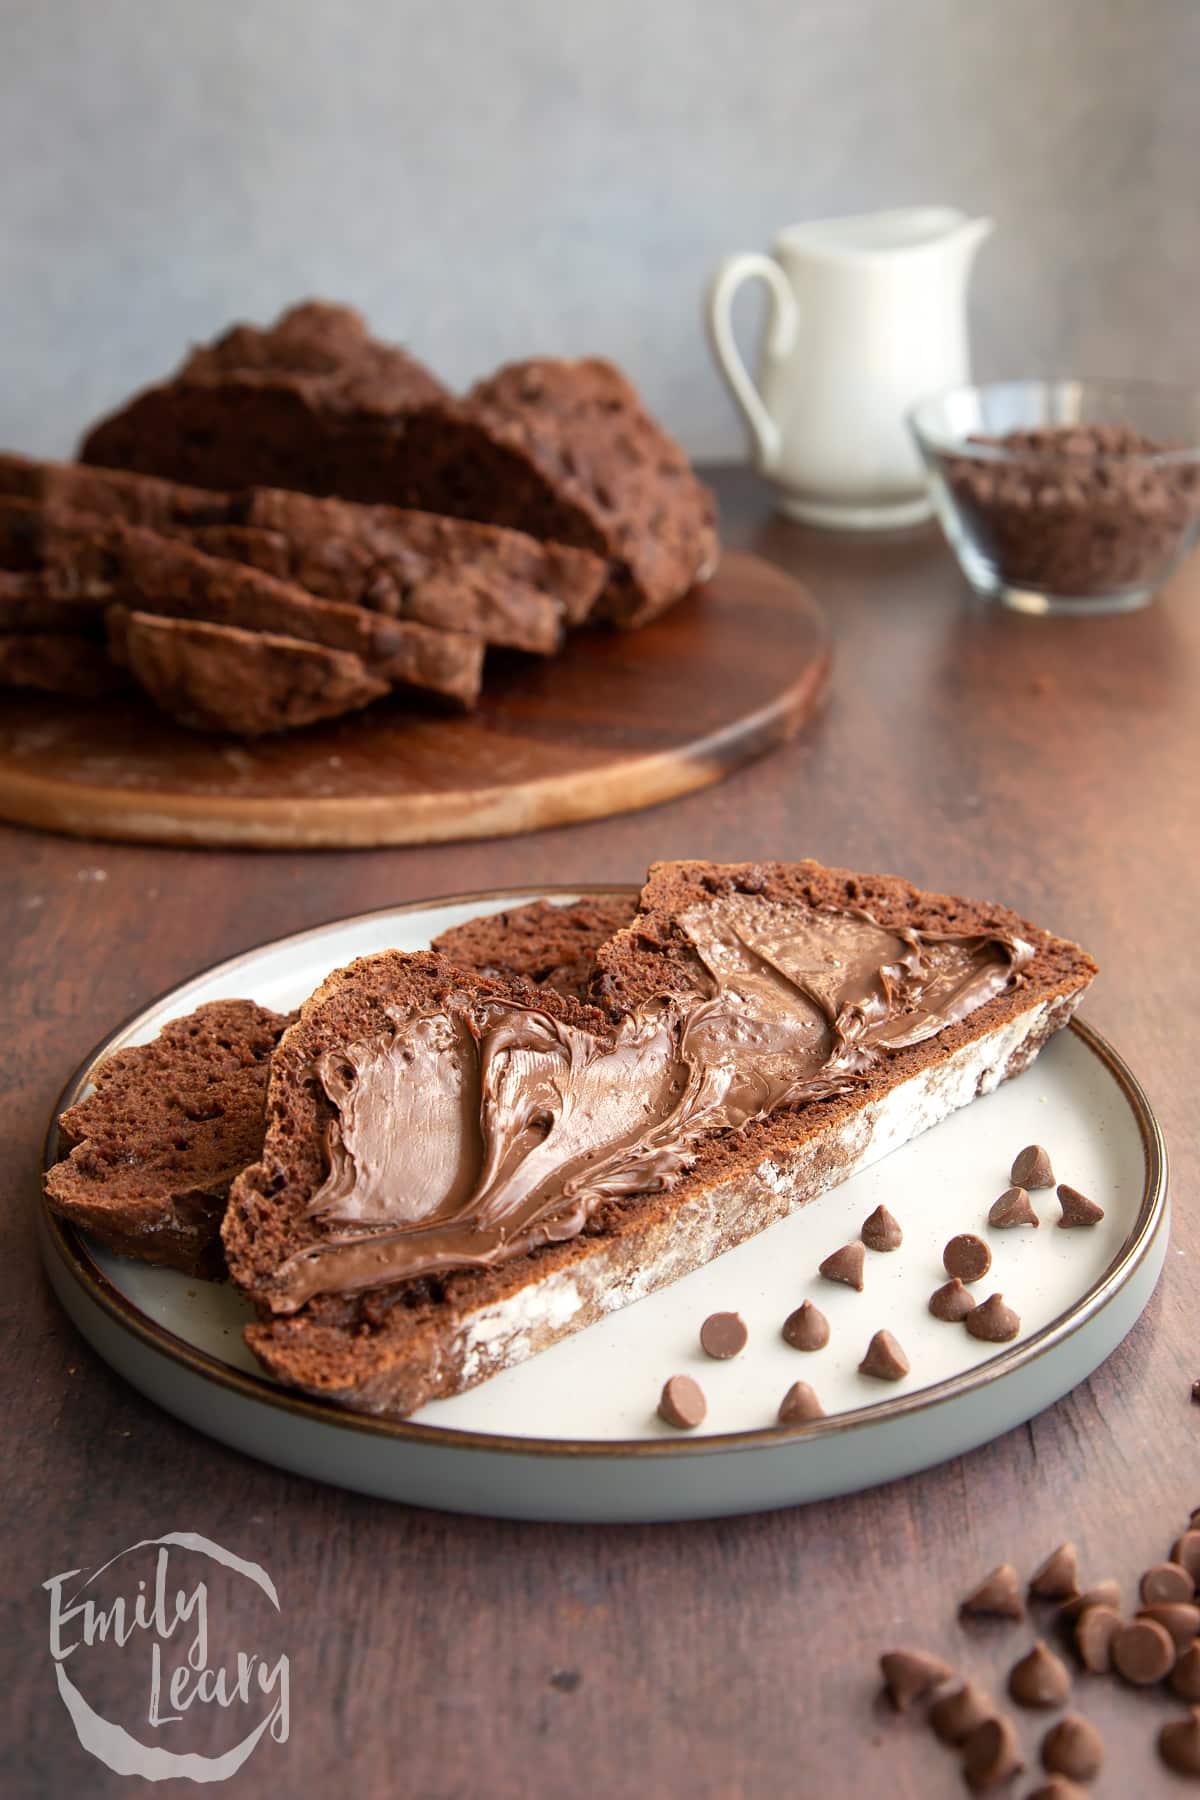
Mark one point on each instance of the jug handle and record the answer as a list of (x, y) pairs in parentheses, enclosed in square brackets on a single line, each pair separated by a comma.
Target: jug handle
[(782, 322)]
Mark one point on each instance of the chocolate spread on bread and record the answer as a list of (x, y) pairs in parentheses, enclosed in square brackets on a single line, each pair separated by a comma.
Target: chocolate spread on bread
[(471, 1135)]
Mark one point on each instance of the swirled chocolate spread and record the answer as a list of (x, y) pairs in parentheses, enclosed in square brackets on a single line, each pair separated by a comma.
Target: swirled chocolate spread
[(469, 1136)]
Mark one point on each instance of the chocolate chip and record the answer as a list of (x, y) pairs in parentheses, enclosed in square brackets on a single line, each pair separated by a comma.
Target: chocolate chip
[(566, 1680), (1073, 1748), (1101, 1593), (722, 1335), (1031, 1168), (807, 1328), (1014, 1207), (967, 1257), (994, 1322), (998, 1595), (881, 1231), (1185, 1676), (1077, 1209), (1058, 1788), (1186, 1552), (885, 1360), (955, 1716), (1039, 1679), (800, 1405), (846, 1265), (1177, 1617), (1196, 1393), (991, 1755), (1058, 1576), (1179, 1744), (951, 1302), (1143, 1652), (1095, 1629), (910, 1674), (682, 1403), (1164, 1582)]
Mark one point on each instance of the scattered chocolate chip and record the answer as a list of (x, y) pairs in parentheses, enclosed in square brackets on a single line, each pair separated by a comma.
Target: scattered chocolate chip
[(994, 1322), (1178, 1618), (1073, 1748), (1179, 1744), (1196, 1393), (998, 1595), (1164, 1582), (1186, 1552), (1014, 1207), (1058, 1577), (1101, 1593), (846, 1265), (1143, 1652), (1031, 1168), (722, 1335), (1194, 1516), (1058, 1788), (951, 1302), (800, 1405), (566, 1680), (910, 1674), (1077, 1209), (1095, 1630), (881, 1231), (991, 1755), (885, 1360), (956, 1715), (1185, 1676), (807, 1328), (1039, 1679), (967, 1257), (682, 1403)]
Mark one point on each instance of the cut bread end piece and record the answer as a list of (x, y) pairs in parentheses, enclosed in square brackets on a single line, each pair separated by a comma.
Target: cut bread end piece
[(152, 1151), (387, 1350)]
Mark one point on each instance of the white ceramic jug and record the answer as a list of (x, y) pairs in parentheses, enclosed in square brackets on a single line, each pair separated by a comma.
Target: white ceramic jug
[(867, 316)]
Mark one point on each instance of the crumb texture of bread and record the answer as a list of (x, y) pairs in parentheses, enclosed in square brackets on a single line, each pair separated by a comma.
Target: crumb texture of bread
[(551, 943), (152, 1150), (389, 1349)]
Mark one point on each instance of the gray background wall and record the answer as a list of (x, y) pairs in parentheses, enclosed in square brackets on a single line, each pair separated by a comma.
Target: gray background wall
[(492, 178)]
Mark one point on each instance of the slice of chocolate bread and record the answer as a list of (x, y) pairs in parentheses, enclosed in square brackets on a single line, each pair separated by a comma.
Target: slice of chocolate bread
[(294, 405), (457, 1173), (30, 600), (152, 1151), (58, 663), (221, 678), (551, 943)]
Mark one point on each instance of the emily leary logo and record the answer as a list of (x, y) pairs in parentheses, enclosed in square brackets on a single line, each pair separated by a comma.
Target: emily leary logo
[(180, 1607)]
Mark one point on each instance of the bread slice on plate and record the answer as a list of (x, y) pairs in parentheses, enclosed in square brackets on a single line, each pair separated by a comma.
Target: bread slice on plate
[(548, 942), (58, 663), (458, 1171), (152, 1151)]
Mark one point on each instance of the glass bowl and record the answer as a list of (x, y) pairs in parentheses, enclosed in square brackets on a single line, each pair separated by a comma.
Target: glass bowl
[(1065, 496)]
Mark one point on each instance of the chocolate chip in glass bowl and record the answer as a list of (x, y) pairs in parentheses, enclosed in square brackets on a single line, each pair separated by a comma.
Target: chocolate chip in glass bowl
[(1014, 1207), (846, 1265), (682, 1403), (952, 1302), (966, 1257), (807, 1328), (1031, 1168), (880, 1231), (723, 1335)]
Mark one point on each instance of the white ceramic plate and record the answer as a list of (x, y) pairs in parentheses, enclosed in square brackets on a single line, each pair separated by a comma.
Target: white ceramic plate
[(572, 1434)]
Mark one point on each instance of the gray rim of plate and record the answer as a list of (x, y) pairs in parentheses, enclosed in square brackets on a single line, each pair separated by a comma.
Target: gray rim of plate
[(66, 1244)]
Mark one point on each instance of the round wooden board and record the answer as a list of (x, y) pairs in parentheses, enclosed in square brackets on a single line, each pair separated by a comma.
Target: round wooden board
[(620, 720)]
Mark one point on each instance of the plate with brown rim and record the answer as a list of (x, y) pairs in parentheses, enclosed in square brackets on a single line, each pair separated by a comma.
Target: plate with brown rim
[(572, 1434)]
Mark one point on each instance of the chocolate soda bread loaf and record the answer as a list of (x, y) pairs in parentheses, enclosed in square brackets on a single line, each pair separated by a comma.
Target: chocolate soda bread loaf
[(222, 678), (764, 1031), (30, 600), (508, 588), (566, 451), (300, 404), (152, 1151), (551, 943)]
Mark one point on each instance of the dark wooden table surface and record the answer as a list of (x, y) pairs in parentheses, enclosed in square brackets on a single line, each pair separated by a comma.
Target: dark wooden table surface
[(1053, 764)]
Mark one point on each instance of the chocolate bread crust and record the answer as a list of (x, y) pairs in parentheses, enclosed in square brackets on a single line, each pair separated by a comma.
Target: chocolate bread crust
[(250, 683), (390, 1350), (547, 942), (151, 1153), (58, 663)]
